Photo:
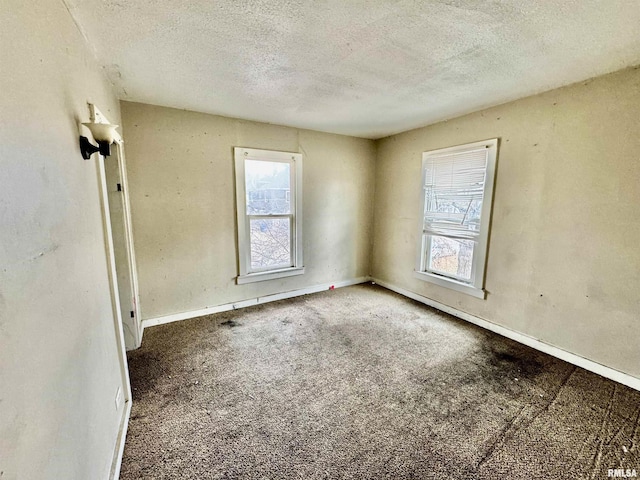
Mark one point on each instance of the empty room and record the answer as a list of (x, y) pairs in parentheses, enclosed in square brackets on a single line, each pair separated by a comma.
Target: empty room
[(319, 239)]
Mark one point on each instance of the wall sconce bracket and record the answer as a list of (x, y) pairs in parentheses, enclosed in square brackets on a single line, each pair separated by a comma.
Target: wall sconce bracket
[(104, 134), (87, 148)]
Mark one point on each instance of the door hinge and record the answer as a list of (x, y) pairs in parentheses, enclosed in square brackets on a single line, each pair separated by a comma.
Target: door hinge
[(119, 187), (132, 314)]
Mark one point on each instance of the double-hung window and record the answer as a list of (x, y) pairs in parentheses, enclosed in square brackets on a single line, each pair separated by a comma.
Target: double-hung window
[(457, 187), (269, 206)]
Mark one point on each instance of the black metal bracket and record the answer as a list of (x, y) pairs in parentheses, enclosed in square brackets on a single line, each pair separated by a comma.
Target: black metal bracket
[(87, 148), (105, 148)]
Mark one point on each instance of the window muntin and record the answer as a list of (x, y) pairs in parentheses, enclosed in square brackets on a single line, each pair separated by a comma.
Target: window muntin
[(456, 206), (269, 214)]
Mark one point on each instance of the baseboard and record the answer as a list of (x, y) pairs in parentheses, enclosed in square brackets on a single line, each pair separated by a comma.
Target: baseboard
[(116, 463), (532, 342), (151, 322)]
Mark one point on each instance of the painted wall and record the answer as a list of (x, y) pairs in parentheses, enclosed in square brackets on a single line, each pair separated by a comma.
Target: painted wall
[(564, 262), (59, 369), (182, 190)]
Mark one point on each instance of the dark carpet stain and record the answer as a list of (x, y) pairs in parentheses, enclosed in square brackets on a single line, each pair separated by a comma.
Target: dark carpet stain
[(516, 362), (230, 324)]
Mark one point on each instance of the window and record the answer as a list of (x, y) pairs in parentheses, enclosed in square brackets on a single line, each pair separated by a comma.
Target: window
[(456, 211), (269, 203)]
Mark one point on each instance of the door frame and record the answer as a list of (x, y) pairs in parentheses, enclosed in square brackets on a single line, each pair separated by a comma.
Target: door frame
[(97, 116), (116, 461), (128, 233)]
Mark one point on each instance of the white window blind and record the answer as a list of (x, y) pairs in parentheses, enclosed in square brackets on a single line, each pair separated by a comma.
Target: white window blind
[(454, 190)]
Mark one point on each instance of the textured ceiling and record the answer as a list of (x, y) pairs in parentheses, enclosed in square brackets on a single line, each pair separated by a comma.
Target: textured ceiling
[(364, 68)]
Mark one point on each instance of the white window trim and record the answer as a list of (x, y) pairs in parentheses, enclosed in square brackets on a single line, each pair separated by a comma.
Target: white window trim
[(476, 286), (244, 247)]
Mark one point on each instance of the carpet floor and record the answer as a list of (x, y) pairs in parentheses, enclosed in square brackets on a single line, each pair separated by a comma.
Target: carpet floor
[(362, 383)]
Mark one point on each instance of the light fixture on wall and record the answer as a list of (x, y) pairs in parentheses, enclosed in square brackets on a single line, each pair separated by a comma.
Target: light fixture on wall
[(103, 133)]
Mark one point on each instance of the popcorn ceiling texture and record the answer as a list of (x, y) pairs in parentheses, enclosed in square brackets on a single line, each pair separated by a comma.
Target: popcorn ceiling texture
[(362, 68), (362, 383)]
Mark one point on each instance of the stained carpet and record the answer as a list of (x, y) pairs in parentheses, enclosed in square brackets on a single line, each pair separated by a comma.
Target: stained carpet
[(362, 383)]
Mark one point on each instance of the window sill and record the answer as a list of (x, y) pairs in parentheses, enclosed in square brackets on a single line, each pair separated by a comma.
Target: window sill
[(269, 275), (450, 283)]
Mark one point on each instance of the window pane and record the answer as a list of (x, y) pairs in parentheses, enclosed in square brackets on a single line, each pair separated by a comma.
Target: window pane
[(268, 187), (270, 243), (451, 256), (453, 214)]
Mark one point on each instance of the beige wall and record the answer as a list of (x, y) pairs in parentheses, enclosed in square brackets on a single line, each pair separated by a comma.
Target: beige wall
[(182, 189), (564, 262), (59, 369)]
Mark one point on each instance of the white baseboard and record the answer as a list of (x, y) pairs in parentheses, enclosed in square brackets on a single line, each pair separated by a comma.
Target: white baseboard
[(151, 322), (577, 360), (116, 463)]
